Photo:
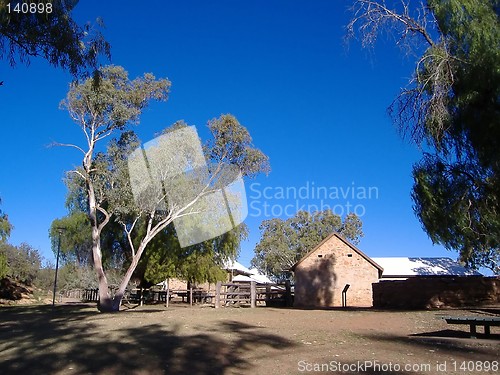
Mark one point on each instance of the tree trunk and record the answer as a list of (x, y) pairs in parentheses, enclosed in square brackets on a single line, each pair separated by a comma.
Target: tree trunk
[(117, 299), (105, 302)]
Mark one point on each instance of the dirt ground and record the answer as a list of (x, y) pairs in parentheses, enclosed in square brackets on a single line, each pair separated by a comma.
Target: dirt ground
[(76, 339)]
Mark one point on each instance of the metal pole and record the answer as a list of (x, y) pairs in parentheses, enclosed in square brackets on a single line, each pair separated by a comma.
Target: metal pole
[(57, 266)]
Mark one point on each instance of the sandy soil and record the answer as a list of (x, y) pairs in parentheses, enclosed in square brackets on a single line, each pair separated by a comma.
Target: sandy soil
[(75, 339)]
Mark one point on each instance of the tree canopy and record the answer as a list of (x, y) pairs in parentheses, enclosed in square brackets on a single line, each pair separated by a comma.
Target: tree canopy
[(284, 242), (52, 34), (203, 262), (5, 226), (451, 108), (76, 240), (21, 263), (99, 110), (177, 190)]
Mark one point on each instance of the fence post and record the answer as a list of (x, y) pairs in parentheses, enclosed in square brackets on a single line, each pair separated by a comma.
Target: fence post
[(253, 296), (288, 294), (168, 293), (217, 294)]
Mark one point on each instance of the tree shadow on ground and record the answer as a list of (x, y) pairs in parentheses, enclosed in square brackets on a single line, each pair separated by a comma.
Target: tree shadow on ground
[(315, 284), (447, 345), (71, 339)]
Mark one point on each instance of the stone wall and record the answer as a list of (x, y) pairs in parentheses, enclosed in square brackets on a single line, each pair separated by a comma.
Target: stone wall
[(322, 275), (436, 292)]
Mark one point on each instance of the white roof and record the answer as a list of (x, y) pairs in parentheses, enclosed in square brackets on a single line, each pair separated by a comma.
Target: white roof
[(241, 278), (259, 279), (246, 274), (407, 267), (233, 265)]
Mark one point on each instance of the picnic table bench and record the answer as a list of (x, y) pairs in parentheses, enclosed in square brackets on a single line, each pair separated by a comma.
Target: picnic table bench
[(473, 322)]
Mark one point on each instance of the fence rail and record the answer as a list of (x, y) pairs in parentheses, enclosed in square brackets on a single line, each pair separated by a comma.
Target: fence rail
[(90, 295), (227, 294)]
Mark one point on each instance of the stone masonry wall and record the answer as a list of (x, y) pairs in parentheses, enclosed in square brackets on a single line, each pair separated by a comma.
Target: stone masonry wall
[(321, 277), (436, 292)]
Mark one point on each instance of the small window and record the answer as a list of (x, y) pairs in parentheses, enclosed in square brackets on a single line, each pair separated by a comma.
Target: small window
[(320, 255), (349, 255)]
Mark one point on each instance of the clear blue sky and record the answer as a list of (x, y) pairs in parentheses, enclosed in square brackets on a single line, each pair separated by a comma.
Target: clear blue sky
[(316, 106)]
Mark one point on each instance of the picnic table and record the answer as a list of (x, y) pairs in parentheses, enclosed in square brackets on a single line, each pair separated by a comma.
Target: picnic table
[(474, 321)]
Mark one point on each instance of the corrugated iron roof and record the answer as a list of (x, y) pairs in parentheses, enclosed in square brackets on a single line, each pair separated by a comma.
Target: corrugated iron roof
[(414, 266)]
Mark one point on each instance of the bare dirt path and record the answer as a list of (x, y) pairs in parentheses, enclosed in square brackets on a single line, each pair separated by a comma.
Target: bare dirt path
[(203, 340)]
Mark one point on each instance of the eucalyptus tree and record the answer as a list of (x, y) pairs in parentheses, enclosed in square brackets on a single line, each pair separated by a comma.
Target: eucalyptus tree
[(5, 229), (21, 263), (199, 263), (46, 29), (5, 226), (146, 214), (451, 108), (99, 111), (178, 190)]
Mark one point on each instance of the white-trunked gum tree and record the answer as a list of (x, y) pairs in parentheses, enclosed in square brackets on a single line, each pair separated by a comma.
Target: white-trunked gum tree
[(171, 180)]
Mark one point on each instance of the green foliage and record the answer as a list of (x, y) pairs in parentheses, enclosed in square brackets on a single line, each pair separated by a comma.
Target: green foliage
[(459, 210), (101, 107), (231, 143), (76, 241), (72, 276), (75, 236), (114, 103), (44, 279), (452, 104), (4, 267), (111, 178), (105, 190), (55, 36), (5, 226), (23, 261), (284, 242), (164, 258), (457, 188), (199, 263)]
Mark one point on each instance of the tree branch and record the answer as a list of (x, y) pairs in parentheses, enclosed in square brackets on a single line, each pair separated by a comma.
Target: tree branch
[(106, 218), (57, 144)]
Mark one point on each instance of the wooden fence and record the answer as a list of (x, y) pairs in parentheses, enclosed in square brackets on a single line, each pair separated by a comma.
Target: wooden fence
[(226, 294), (90, 295), (72, 293), (250, 293), (144, 295)]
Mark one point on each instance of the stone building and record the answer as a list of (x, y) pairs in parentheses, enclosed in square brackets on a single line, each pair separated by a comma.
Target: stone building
[(323, 273)]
